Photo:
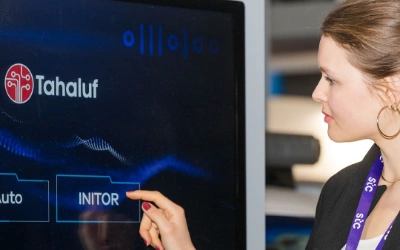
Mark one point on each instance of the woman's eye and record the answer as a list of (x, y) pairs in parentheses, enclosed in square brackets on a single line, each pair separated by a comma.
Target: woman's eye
[(330, 80)]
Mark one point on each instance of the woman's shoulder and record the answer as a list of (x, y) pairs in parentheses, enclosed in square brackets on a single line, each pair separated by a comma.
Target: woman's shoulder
[(338, 202), (348, 176)]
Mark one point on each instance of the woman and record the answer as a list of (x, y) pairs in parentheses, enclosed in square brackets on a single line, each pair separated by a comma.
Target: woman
[(359, 57)]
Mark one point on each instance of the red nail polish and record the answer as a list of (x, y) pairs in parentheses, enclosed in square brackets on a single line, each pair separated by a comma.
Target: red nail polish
[(146, 205), (157, 248), (145, 242)]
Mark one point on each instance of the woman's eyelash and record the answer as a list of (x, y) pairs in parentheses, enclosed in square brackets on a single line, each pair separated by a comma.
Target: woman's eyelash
[(330, 80)]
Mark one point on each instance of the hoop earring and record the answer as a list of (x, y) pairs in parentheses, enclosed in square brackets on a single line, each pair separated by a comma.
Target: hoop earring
[(388, 137)]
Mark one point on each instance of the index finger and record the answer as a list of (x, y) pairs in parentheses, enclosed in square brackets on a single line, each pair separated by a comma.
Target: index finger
[(154, 196)]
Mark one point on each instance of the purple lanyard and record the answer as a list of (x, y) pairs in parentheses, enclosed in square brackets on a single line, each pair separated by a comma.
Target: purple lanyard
[(364, 204)]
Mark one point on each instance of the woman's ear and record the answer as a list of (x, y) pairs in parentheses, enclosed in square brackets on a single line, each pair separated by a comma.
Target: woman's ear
[(391, 87)]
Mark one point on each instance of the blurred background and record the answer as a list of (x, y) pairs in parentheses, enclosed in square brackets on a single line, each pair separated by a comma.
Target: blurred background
[(299, 155)]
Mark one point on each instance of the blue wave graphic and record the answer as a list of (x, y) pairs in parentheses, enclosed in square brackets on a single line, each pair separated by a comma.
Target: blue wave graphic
[(27, 149), (144, 173), (14, 119), (18, 146), (24, 148), (44, 153), (97, 144)]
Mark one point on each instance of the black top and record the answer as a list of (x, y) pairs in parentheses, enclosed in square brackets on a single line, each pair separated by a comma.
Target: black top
[(338, 203)]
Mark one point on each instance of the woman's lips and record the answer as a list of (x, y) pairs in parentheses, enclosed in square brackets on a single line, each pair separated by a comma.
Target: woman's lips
[(327, 118)]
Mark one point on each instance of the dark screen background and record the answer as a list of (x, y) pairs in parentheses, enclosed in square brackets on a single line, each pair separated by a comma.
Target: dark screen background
[(162, 117)]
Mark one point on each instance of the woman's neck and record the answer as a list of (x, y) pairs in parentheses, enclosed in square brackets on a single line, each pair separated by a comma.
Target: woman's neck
[(390, 150)]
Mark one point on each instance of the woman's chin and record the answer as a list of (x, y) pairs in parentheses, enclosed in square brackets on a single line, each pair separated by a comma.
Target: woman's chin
[(337, 137), (341, 137)]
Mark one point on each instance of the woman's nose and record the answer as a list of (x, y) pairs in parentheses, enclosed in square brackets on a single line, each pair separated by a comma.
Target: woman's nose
[(319, 93)]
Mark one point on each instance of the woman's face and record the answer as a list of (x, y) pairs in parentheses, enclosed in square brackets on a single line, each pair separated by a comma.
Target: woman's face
[(350, 109)]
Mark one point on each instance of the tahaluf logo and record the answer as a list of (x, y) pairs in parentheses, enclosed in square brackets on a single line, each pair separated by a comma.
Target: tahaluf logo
[(19, 83)]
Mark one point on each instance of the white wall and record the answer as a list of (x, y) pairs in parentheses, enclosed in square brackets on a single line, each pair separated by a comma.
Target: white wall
[(302, 115)]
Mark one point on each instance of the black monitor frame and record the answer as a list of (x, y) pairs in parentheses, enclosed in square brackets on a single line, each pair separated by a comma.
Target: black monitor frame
[(236, 9)]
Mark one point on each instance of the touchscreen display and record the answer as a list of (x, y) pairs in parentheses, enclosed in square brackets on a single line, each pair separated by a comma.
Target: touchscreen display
[(101, 97)]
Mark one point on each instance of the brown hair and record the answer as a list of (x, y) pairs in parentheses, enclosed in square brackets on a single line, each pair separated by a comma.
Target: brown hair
[(369, 31)]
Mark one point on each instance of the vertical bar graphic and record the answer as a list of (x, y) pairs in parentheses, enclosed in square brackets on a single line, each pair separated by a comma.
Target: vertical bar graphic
[(142, 39)]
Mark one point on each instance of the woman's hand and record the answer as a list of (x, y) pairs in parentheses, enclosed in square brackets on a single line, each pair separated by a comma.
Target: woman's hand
[(166, 219)]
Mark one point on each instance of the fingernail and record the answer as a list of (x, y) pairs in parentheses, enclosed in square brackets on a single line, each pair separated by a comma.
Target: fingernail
[(145, 242), (157, 248), (146, 205)]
